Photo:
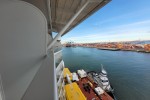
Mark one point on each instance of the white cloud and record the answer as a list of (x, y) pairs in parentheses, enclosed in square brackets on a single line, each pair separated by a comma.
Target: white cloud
[(124, 32), (125, 16)]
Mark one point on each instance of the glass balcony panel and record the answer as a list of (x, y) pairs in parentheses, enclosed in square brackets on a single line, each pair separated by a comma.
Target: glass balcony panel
[(57, 49), (58, 57)]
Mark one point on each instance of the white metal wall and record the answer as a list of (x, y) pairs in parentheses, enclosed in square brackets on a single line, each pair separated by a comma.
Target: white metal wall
[(23, 32)]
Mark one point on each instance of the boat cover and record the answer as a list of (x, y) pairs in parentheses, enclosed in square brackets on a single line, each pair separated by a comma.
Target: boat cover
[(99, 90)]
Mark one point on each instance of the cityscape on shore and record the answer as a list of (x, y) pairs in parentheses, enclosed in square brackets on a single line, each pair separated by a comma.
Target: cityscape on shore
[(138, 46)]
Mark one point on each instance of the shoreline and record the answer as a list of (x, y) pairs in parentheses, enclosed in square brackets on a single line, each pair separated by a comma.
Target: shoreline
[(117, 49)]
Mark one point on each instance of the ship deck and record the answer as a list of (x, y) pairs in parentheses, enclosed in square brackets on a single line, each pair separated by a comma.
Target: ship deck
[(91, 94)]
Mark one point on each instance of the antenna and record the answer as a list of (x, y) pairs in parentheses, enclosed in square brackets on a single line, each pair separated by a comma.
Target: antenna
[(102, 66)]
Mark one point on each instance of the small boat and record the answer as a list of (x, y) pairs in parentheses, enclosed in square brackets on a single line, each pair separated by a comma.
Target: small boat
[(87, 85), (102, 80), (110, 49)]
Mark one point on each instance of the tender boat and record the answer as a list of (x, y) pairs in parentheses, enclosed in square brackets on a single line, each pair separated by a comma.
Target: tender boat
[(102, 80), (82, 85)]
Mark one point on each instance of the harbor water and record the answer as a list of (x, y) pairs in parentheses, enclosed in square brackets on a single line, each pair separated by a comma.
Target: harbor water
[(128, 72)]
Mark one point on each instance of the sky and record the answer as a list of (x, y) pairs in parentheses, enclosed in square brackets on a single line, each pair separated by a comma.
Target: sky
[(119, 20)]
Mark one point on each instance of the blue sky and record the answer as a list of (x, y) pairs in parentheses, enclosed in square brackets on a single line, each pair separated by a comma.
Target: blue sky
[(119, 20)]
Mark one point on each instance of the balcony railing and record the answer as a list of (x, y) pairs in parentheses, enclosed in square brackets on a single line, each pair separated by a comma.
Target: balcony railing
[(57, 49), (58, 57), (59, 65)]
